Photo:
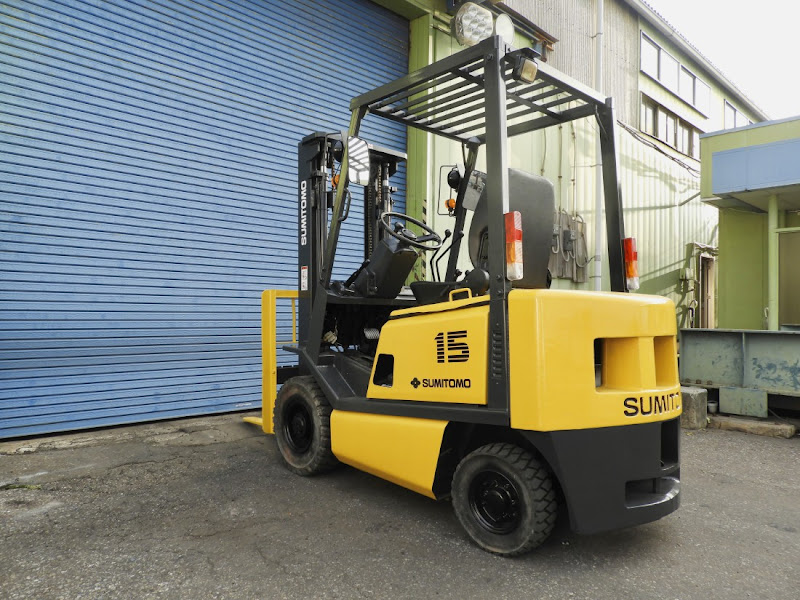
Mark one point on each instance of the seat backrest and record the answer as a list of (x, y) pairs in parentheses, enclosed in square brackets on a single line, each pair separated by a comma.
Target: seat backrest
[(534, 198)]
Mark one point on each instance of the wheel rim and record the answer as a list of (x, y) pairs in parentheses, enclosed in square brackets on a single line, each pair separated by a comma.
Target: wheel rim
[(494, 502), (298, 426)]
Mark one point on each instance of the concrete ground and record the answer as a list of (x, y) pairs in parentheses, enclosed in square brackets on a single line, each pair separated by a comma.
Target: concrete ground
[(203, 508)]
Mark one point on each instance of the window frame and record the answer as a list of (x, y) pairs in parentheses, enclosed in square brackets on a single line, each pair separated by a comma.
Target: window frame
[(648, 115), (728, 107), (660, 123), (671, 85), (703, 103), (647, 68), (700, 102), (692, 82)]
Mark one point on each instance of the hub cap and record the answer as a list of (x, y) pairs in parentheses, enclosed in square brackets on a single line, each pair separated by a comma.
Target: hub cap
[(494, 502), (298, 426)]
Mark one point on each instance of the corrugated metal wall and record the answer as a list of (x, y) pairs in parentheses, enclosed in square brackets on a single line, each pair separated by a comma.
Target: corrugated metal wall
[(574, 23), (621, 60), (664, 212), (574, 53), (148, 175)]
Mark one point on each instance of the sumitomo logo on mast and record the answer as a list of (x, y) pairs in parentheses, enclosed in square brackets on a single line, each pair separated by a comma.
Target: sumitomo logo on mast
[(303, 212)]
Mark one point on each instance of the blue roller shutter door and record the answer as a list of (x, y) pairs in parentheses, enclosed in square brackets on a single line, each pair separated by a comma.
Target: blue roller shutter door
[(147, 182)]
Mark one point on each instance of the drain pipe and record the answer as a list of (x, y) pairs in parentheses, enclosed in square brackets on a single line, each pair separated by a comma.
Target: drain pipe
[(599, 219)]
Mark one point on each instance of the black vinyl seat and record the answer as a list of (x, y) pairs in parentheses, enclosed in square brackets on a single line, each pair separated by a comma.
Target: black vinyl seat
[(430, 292), (534, 197)]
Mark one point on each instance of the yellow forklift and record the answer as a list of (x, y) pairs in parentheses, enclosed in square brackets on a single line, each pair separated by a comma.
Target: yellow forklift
[(485, 387)]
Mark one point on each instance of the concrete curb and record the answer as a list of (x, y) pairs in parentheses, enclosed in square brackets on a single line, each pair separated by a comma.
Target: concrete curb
[(756, 427), (695, 407)]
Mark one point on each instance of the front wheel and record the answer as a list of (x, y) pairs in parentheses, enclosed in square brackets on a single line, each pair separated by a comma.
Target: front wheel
[(504, 498), (303, 427)]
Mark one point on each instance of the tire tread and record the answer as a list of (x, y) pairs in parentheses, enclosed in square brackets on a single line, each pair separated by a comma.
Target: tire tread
[(537, 480), (323, 459)]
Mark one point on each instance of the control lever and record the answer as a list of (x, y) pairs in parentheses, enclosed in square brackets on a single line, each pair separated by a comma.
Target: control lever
[(352, 277), (435, 270)]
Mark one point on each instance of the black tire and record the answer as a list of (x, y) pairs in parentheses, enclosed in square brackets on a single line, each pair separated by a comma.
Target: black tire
[(302, 425), (504, 499)]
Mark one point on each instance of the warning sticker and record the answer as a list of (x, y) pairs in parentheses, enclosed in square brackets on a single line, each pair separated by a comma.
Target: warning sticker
[(303, 279)]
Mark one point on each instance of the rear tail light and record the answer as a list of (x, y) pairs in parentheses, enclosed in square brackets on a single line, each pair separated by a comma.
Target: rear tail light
[(631, 263), (513, 222)]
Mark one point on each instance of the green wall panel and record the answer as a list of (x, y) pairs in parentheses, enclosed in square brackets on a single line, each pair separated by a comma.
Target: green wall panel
[(742, 269)]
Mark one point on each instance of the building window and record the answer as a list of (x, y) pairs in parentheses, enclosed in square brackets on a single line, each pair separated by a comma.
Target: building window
[(734, 117), (702, 96), (684, 140), (650, 57), (741, 120), (648, 124), (668, 71), (659, 122), (664, 68), (686, 85)]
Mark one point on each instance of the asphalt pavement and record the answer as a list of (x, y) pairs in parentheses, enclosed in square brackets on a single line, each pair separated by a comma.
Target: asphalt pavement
[(203, 508)]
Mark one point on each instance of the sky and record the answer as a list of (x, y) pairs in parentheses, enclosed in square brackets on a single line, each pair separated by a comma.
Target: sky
[(754, 43)]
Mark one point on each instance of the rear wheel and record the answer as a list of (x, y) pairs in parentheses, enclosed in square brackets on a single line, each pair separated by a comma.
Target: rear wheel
[(302, 427), (504, 498)]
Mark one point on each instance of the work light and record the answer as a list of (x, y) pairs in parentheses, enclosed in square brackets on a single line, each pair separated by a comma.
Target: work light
[(472, 24), (504, 27), (525, 69)]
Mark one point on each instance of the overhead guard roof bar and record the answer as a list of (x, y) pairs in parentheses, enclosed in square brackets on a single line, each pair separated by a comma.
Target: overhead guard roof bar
[(415, 99), (420, 77), (447, 98)]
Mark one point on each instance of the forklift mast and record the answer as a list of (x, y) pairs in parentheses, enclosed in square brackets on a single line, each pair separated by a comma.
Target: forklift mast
[(317, 158)]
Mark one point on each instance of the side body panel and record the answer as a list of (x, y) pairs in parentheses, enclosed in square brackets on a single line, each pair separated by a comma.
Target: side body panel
[(552, 349), (402, 450), (438, 355)]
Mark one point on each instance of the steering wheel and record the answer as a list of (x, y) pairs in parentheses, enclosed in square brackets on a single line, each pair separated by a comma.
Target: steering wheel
[(409, 237)]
